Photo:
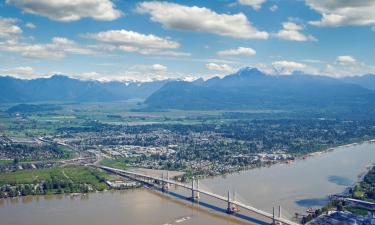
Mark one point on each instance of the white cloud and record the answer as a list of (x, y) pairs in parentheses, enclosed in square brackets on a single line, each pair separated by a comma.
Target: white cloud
[(57, 49), (287, 67), (30, 25), (219, 67), (340, 70), (23, 72), (8, 28), (139, 72), (130, 41), (159, 67), (313, 61), (273, 8), (200, 19), (69, 10), (133, 39), (292, 32), (238, 51), (340, 13), (155, 68), (346, 60), (255, 4)]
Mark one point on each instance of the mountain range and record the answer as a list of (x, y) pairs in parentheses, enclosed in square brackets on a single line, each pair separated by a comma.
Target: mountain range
[(248, 88), (66, 89)]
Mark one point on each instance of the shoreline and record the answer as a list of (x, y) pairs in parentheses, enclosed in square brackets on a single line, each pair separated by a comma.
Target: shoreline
[(297, 158), (178, 174)]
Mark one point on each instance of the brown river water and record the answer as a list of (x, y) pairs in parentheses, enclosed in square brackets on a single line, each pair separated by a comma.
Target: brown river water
[(296, 187)]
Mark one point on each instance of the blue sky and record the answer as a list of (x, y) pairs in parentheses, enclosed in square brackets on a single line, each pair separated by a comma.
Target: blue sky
[(146, 40)]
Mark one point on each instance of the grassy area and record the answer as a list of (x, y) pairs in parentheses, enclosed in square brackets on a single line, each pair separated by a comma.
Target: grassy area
[(357, 210), (26, 176), (75, 174), (115, 163), (5, 162)]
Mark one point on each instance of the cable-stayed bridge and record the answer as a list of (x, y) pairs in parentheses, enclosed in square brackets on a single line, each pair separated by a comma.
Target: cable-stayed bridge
[(233, 206)]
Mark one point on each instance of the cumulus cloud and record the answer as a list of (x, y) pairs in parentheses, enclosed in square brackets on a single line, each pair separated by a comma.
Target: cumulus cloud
[(273, 8), (346, 65), (57, 49), (219, 67), (339, 70), (340, 13), (8, 28), (138, 72), (287, 67), (159, 67), (156, 68), (255, 4), (68, 10), (238, 51), (23, 72), (200, 19), (30, 25), (130, 41), (292, 32), (346, 60), (133, 39)]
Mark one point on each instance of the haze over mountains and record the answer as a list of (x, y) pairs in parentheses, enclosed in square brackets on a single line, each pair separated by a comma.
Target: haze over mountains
[(246, 89)]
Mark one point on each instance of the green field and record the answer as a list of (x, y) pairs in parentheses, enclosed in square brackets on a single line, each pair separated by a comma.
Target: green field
[(72, 174), (115, 163)]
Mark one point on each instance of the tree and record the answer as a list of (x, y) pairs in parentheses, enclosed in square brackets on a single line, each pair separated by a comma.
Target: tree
[(16, 161)]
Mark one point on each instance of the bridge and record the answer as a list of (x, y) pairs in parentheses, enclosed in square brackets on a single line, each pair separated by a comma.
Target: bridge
[(232, 205)]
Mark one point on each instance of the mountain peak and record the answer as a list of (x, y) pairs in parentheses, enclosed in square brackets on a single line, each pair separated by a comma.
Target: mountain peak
[(249, 71), (59, 77)]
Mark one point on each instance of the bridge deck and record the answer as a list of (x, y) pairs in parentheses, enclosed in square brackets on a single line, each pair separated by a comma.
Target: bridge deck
[(219, 197)]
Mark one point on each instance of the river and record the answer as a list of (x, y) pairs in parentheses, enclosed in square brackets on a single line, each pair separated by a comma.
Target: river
[(296, 186)]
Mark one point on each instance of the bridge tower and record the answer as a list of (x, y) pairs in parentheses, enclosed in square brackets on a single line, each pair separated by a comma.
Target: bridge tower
[(162, 182), (167, 179), (194, 190), (274, 216), (231, 207)]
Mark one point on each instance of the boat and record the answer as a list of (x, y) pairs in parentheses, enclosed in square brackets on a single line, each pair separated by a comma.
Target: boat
[(183, 219)]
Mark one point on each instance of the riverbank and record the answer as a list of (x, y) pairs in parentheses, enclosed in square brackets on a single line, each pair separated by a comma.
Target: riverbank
[(295, 187), (20, 185), (57, 180), (270, 163), (352, 203)]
